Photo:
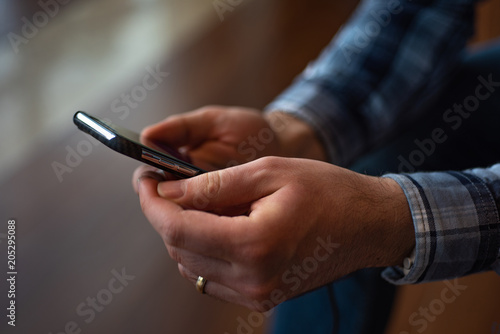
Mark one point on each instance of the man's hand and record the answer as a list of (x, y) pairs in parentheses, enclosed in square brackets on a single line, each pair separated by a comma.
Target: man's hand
[(218, 137), (269, 230)]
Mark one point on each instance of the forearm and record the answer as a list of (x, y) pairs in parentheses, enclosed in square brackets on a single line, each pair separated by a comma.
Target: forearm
[(357, 96)]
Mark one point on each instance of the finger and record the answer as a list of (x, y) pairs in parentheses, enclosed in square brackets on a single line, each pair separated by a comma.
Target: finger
[(197, 231), (190, 129), (213, 155), (156, 209), (226, 293), (213, 268), (213, 288), (229, 189), (149, 171)]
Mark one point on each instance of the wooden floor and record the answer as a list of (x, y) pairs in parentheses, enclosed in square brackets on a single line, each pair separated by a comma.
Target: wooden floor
[(73, 234)]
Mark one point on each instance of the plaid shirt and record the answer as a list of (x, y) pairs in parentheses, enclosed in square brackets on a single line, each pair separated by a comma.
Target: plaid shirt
[(380, 72)]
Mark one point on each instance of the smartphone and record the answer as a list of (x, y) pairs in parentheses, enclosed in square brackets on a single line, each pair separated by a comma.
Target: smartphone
[(127, 142)]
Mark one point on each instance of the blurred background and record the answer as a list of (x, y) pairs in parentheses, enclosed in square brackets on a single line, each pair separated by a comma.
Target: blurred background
[(79, 224)]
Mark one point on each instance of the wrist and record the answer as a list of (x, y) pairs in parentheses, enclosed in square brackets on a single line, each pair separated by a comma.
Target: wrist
[(395, 228), (296, 137)]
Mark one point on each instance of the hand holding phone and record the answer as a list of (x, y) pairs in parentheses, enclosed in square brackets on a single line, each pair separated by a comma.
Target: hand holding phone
[(128, 143)]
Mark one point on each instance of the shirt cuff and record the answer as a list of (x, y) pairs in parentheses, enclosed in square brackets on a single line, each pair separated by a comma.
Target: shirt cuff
[(456, 226)]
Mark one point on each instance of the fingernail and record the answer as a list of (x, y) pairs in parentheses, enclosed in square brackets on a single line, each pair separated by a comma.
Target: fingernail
[(171, 189), (161, 173), (153, 175)]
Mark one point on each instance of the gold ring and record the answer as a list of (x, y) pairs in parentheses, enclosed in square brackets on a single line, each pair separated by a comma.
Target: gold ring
[(200, 284)]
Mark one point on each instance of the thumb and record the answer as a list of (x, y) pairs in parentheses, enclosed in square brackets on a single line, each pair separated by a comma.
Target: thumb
[(229, 191)]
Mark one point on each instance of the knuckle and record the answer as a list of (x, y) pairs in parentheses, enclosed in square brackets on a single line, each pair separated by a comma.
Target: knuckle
[(202, 189), (260, 249), (261, 262), (171, 234), (183, 272), (174, 254), (209, 111), (268, 161), (145, 205), (270, 164), (257, 254), (208, 107), (212, 184), (259, 293)]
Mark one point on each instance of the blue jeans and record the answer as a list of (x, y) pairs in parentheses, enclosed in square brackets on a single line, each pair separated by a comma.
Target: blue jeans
[(361, 302)]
